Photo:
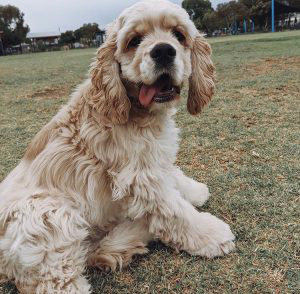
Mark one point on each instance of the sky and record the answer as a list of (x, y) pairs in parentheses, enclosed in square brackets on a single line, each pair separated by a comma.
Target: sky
[(62, 15)]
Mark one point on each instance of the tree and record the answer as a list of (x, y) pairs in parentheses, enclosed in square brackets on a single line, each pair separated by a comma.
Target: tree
[(259, 11), (12, 25), (212, 22), (197, 9), (67, 38), (232, 12), (293, 3), (86, 33)]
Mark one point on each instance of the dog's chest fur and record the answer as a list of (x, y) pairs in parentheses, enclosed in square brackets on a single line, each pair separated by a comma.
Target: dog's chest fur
[(98, 165)]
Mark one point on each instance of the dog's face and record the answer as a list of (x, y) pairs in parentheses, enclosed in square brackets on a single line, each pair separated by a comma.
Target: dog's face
[(154, 50), (150, 53)]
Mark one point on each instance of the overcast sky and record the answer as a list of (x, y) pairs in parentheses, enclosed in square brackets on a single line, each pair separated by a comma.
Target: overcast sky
[(54, 15)]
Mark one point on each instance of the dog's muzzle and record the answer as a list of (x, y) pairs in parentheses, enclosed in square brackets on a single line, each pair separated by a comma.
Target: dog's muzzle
[(161, 91)]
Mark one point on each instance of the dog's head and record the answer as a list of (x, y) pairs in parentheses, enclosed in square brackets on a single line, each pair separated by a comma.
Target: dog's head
[(151, 51)]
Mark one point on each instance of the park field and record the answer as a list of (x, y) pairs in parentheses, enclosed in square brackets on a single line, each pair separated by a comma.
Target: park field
[(245, 146)]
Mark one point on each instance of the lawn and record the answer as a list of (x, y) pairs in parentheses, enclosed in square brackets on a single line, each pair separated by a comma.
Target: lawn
[(245, 146)]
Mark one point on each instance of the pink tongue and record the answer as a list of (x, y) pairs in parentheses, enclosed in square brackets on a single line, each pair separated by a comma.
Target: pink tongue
[(147, 93)]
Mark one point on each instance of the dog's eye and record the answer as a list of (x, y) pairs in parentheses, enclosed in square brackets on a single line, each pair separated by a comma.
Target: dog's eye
[(134, 42), (179, 36)]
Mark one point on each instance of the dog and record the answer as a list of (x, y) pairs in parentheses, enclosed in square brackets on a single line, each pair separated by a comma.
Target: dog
[(99, 181)]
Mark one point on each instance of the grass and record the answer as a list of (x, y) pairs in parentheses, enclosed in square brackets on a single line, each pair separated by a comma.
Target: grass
[(245, 146)]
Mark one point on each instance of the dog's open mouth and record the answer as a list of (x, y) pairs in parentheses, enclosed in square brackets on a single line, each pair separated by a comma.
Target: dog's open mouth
[(161, 91)]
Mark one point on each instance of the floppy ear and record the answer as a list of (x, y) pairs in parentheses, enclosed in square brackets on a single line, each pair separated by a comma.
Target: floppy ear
[(108, 94), (201, 81)]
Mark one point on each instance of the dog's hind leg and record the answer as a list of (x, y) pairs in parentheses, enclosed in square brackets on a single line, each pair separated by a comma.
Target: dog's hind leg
[(120, 245), (43, 246)]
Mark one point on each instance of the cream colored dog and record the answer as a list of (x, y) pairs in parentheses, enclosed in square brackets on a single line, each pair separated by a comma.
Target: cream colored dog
[(98, 182)]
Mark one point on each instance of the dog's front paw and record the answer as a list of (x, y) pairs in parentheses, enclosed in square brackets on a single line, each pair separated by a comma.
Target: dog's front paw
[(198, 194), (203, 195), (213, 237)]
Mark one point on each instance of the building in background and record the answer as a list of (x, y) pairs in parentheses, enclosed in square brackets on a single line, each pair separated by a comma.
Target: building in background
[(100, 38), (44, 41)]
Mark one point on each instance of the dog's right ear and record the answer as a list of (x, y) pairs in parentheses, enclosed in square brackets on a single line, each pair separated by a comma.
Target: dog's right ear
[(108, 93)]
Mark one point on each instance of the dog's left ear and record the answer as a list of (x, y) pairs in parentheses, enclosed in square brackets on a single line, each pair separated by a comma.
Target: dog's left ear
[(201, 81), (108, 94)]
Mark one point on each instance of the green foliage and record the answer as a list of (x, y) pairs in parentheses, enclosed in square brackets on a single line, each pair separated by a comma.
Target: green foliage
[(67, 37), (211, 21), (258, 11), (257, 7), (86, 33), (197, 9), (205, 18), (293, 3), (232, 11), (12, 25), (228, 13)]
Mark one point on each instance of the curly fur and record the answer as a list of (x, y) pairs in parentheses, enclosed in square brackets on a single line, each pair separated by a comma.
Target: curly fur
[(99, 181)]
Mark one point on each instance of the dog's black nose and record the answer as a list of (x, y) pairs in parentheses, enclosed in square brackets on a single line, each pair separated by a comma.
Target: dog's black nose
[(163, 54)]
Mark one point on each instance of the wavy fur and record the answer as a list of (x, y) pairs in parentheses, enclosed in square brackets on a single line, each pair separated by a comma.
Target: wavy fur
[(201, 81), (99, 181)]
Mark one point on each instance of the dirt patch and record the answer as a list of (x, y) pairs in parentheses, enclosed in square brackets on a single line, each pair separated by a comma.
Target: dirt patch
[(278, 93), (281, 93), (274, 64), (249, 92), (50, 92)]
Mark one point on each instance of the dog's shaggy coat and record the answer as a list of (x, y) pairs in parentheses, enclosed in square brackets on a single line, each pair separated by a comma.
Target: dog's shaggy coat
[(98, 182)]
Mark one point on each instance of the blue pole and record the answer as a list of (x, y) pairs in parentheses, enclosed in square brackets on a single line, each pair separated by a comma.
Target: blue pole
[(273, 29), (252, 25), (245, 26)]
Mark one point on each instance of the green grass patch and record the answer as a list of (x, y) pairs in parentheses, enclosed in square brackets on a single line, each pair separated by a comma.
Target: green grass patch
[(245, 146)]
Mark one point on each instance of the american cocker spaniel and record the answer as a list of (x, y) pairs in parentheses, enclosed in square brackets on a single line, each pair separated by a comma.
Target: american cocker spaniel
[(98, 182)]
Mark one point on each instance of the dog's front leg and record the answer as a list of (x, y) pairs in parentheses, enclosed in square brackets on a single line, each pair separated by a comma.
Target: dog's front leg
[(175, 221), (194, 192)]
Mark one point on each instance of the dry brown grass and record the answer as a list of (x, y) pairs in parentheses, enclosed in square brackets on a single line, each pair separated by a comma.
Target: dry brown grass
[(49, 92), (273, 64)]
